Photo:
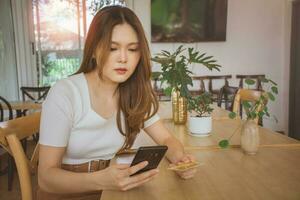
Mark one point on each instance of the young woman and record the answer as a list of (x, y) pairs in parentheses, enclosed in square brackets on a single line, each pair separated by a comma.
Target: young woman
[(90, 116)]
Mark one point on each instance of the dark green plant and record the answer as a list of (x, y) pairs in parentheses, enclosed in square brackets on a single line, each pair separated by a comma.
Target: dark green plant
[(258, 108), (201, 104), (176, 73), (175, 70)]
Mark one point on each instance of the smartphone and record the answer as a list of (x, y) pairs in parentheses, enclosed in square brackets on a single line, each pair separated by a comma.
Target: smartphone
[(152, 154)]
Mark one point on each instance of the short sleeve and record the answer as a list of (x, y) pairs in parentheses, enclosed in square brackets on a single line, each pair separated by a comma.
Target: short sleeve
[(151, 120), (57, 116)]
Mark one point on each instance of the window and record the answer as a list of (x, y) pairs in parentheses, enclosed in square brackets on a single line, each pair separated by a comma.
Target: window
[(60, 30)]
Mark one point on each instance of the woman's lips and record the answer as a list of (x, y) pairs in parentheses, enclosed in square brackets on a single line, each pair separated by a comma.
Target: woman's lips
[(121, 70)]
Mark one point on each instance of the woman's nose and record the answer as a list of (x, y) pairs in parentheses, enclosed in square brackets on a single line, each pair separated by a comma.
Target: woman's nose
[(123, 56)]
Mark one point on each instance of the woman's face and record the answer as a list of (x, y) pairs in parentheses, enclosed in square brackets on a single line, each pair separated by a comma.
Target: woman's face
[(124, 54)]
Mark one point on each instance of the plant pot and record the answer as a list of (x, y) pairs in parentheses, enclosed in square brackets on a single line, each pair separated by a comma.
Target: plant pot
[(179, 107), (250, 137), (200, 126)]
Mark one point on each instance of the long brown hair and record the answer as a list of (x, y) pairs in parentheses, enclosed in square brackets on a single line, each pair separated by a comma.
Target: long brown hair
[(137, 101)]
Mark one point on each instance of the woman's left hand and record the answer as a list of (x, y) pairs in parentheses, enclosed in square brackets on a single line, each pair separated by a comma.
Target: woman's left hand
[(189, 173)]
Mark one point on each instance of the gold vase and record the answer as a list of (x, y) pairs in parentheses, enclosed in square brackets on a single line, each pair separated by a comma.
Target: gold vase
[(179, 107)]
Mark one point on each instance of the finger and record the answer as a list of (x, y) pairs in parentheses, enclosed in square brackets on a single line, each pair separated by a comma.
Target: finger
[(122, 166), (189, 172), (140, 177), (143, 176), (136, 184), (187, 177), (191, 157), (136, 167)]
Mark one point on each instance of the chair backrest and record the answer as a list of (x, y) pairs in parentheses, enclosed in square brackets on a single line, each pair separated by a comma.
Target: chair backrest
[(210, 79), (226, 96), (5, 107), (34, 93), (246, 95), (11, 132), (257, 77), (155, 77)]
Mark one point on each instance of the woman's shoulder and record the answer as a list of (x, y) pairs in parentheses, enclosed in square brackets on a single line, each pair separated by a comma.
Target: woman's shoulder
[(69, 85), (68, 94)]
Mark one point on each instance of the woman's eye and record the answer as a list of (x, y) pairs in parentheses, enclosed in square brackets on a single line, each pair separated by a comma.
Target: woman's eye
[(133, 49), (112, 49)]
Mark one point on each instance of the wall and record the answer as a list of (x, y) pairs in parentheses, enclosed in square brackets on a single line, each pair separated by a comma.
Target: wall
[(257, 43)]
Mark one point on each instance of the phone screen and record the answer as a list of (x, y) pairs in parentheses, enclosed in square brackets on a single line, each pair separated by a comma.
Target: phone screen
[(152, 154)]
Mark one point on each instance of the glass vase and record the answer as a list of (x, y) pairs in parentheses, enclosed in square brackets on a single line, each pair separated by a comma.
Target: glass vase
[(250, 137)]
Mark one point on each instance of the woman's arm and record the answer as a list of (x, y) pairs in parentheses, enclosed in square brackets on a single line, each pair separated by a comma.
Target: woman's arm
[(51, 178), (175, 154), (161, 135)]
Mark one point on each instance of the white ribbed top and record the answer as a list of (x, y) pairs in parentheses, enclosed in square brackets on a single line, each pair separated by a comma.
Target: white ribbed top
[(68, 120)]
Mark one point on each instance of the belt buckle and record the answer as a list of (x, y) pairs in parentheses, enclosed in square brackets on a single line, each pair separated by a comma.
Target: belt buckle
[(90, 165)]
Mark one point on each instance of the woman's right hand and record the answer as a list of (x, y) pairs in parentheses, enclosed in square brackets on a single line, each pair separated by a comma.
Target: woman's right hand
[(117, 176)]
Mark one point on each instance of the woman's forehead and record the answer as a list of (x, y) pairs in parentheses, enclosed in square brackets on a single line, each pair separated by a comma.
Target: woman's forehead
[(124, 34)]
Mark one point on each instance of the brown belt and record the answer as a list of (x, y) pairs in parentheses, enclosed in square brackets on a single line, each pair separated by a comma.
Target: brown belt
[(91, 166)]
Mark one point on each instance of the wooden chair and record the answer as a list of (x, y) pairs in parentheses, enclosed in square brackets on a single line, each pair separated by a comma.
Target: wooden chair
[(5, 105), (210, 88), (6, 113), (11, 132), (34, 93), (157, 89), (201, 84), (246, 95), (257, 78), (226, 96)]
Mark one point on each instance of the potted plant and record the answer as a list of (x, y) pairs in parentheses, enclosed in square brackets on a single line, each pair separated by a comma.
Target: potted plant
[(200, 121), (253, 111), (176, 73)]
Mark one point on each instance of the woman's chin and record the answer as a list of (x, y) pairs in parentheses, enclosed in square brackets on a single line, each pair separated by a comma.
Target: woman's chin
[(119, 79)]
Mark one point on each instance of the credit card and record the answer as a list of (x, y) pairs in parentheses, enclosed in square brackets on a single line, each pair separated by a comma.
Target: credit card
[(184, 166)]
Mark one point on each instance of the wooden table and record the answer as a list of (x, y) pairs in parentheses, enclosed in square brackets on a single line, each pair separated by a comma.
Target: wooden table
[(274, 173), (19, 106), (25, 105)]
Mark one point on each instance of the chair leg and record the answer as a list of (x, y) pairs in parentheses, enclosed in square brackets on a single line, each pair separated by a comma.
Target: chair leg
[(24, 144), (10, 174), (36, 137)]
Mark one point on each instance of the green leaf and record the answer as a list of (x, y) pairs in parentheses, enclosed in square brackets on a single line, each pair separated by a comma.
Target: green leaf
[(249, 81), (246, 104), (232, 115), (252, 115), (168, 91), (224, 144), (271, 96), (166, 52), (260, 114), (274, 90)]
